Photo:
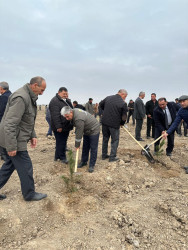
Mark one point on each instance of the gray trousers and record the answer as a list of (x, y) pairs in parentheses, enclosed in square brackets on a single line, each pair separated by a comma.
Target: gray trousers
[(114, 134), (138, 128), (21, 162)]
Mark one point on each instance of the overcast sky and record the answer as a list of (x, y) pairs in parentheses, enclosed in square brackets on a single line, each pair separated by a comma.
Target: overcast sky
[(96, 47)]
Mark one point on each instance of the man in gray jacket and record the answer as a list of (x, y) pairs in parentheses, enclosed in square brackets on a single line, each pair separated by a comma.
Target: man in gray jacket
[(139, 114), (87, 127), (89, 106), (16, 130)]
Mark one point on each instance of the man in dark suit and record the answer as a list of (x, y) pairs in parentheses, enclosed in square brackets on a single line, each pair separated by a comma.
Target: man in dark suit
[(150, 106), (60, 126), (139, 114), (164, 114)]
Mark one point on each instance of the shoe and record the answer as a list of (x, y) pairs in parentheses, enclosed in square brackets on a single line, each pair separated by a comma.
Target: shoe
[(105, 157), (113, 159), (169, 154), (82, 164), (140, 139), (186, 171), (179, 135), (186, 135), (186, 167), (91, 169), (148, 137), (2, 196), (37, 197), (56, 159), (65, 161)]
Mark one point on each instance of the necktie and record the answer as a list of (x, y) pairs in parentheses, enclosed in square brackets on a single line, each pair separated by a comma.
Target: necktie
[(166, 120)]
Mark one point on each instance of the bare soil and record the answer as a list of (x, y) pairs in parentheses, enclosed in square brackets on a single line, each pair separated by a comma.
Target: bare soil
[(129, 204)]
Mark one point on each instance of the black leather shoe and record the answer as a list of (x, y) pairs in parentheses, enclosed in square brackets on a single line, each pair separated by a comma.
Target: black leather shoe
[(113, 159), (82, 164), (186, 169), (105, 157), (169, 154), (91, 169), (2, 196), (140, 139), (37, 197), (65, 161)]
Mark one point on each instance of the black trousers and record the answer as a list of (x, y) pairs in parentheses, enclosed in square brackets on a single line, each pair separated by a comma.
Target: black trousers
[(61, 142), (138, 128), (170, 141), (90, 143), (150, 125), (23, 165), (131, 113), (184, 126), (114, 134)]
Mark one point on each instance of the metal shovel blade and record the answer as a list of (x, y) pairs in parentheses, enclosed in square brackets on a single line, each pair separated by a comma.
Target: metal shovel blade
[(148, 154)]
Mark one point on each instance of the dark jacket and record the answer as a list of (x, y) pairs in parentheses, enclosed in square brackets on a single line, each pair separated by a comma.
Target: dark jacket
[(17, 125), (3, 102), (159, 116), (139, 109), (114, 111), (57, 120), (131, 106), (181, 115), (79, 106), (150, 106)]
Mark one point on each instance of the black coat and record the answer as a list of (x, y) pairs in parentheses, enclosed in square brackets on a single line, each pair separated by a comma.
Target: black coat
[(159, 116), (114, 111), (57, 120), (3, 102), (150, 106), (79, 106)]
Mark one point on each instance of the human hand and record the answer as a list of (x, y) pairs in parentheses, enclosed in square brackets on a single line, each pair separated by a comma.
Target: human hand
[(59, 130), (164, 134), (33, 142), (12, 153)]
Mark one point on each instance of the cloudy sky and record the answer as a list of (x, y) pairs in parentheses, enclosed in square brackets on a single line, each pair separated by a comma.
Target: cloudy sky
[(96, 47)]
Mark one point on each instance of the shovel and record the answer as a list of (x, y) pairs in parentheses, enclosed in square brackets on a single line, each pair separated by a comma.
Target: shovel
[(76, 161), (147, 146), (145, 152)]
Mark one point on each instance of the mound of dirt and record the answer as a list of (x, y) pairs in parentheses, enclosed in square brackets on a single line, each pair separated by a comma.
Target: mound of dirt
[(128, 204)]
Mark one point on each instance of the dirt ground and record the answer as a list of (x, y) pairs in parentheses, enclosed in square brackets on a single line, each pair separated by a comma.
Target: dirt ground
[(129, 204)]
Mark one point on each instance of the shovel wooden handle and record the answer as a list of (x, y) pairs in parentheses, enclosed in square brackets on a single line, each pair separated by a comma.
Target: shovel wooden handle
[(134, 139), (155, 140), (76, 161)]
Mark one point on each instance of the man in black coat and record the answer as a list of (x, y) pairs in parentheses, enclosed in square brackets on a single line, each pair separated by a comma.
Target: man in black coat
[(5, 93), (139, 114), (60, 126), (78, 106), (114, 114), (150, 106), (131, 111), (164, 114)]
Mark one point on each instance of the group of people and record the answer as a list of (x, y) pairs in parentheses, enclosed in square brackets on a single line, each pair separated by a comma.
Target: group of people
[(18, 120)]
